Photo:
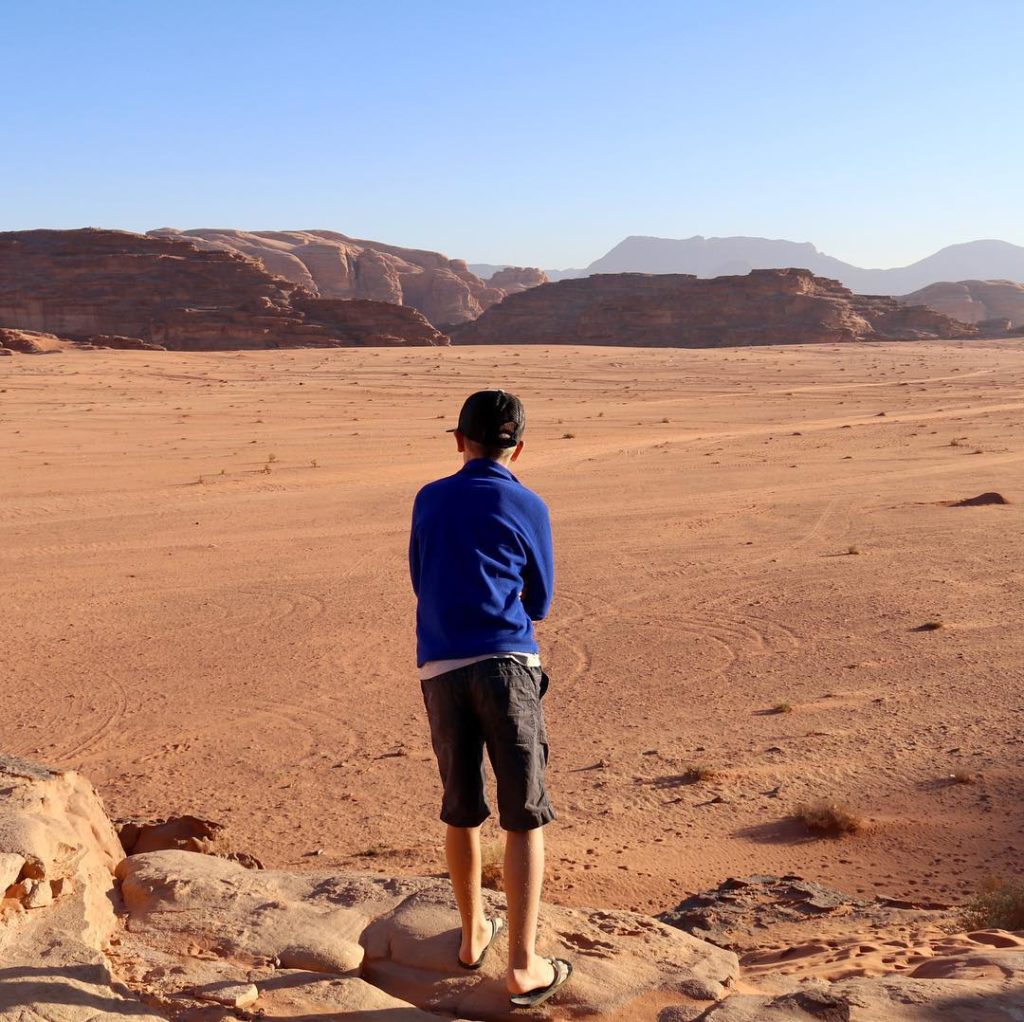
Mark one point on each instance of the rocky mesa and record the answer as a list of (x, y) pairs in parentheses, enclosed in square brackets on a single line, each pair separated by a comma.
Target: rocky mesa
[(790, 306), (333, 265), (118, 289)]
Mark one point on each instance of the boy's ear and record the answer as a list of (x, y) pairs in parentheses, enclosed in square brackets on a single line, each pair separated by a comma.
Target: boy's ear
[(517, 451), (460, 441)]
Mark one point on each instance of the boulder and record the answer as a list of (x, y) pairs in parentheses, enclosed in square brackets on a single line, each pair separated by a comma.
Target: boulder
[(58, 917), (29, 342)]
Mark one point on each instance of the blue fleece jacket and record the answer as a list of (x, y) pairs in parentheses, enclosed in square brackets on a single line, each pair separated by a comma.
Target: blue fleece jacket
[(481, 561)]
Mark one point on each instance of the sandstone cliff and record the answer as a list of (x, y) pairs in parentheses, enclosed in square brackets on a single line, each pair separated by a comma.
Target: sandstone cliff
[(118, 289), (973, 301), (333, 265), (678, 310)]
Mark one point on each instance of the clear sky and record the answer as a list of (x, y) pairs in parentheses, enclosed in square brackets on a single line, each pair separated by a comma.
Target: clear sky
[(530, 132)]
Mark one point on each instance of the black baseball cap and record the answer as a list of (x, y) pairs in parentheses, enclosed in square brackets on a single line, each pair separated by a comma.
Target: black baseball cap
[(493, 418)]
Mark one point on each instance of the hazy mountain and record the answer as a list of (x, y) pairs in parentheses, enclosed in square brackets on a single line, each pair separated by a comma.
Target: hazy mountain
[(714, 257)]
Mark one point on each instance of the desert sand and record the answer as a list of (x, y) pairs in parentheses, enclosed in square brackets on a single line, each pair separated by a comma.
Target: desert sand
[(206, 606)]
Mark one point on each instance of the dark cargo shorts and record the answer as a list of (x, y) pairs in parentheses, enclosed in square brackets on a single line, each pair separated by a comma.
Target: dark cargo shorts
[(494, 703)]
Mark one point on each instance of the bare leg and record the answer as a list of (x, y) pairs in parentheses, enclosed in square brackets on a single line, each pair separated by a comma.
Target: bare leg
[(462, 850), (524, 877)]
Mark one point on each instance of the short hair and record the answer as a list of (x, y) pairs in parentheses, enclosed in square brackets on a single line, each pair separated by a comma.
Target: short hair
[(483, 451)]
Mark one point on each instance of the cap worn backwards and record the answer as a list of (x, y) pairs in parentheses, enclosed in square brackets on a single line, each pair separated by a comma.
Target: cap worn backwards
[(493, 418)]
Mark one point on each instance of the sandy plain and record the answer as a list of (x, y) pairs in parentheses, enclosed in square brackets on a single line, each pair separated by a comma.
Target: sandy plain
[(205, 604)]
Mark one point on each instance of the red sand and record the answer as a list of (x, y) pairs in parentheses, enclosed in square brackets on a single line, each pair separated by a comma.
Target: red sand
[(206, 606)]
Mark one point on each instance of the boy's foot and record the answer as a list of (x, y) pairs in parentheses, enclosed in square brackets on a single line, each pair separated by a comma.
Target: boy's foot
[(493, 928), (538, 995)]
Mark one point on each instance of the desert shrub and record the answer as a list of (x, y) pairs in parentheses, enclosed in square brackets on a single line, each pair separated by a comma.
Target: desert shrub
[(492, 873), (829, 819), (999, 905), (696, 772)]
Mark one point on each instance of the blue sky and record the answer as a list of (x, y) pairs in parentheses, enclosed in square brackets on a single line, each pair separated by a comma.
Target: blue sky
[(538, 133)]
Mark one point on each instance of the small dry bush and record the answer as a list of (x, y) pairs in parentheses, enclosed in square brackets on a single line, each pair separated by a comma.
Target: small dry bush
[(963, 777), (998, 906), (782, 708), (492, 875), (697, 772), (830, 819)]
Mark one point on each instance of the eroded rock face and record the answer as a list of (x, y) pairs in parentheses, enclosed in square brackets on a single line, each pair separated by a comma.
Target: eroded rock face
[(974, 301), (117, 289), (369, 323), (58, 913), (332, 265), (678, 310)]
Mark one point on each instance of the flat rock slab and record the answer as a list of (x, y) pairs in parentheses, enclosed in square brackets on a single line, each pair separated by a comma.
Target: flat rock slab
[(324, 933)]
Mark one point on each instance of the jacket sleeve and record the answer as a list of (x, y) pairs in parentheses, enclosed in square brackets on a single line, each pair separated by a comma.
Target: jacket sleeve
[(539, 573), (414, 552)]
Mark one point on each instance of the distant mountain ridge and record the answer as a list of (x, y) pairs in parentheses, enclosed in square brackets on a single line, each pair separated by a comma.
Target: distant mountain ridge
[(723, 257)]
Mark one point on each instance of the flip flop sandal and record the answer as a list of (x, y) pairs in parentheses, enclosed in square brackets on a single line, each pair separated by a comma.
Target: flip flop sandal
[(563, 970), (497, 925)]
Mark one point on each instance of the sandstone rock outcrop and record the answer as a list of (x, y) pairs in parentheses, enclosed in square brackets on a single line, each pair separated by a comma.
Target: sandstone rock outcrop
[(180, 934), (513, 279), (183, 931), (974, 301), (678, 310), (58, 913), (118, 289), (29, 342), (332, 265)]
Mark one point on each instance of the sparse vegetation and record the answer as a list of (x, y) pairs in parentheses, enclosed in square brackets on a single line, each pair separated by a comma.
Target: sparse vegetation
[(271, 458), (998, 906), (829, 819), (568, 436), (853, 550), (694, 773), (963, 777), (313, 463), (782, 708), (929, 626), (492, 873), (373, 852)]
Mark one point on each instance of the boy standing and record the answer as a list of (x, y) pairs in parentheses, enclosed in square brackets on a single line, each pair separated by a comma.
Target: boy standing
[(481, 561)]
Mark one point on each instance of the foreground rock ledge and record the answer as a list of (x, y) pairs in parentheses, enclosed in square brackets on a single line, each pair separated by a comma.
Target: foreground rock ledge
[(181, 934), (87, 934)]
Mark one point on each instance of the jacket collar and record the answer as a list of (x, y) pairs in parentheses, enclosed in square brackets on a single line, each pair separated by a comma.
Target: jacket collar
[(486, 467)]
